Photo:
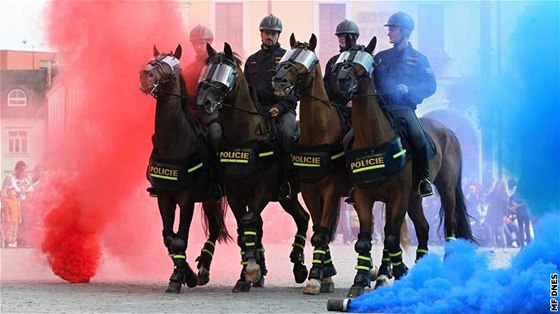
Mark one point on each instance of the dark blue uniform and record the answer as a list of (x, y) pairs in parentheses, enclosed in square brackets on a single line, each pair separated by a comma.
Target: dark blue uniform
[(259, 70), (336, 96), (411, 68)]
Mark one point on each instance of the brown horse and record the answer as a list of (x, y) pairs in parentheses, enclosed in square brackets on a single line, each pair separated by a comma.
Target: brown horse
[(178, 170), (252, 165), (381, 171), (319, 155)]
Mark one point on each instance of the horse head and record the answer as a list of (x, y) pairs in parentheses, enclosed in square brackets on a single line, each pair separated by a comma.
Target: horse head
[(354, 64), (296, 66), (161, 72), (217, 79)]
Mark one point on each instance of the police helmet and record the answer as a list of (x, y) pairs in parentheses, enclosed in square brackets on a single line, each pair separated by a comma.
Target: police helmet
[(347, 27), (401, 20), (201, 33), (271, 23)]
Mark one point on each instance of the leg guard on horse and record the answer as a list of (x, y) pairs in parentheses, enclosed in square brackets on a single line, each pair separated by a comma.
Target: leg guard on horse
[(395, 254), (204, 260), (298, 258), (182, 272), (363, 276)]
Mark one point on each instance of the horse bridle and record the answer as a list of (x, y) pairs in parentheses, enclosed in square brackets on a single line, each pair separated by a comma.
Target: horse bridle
[(351, 60), (167, 66), (299, 55)]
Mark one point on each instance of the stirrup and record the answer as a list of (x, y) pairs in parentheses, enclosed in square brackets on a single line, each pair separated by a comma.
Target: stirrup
[(285, 192), (425, 188), (350, 198), (152, 192)]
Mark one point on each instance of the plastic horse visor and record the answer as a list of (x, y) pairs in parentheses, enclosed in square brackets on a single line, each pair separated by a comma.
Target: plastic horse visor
[(359, 57), (300, 55), (218, 73)]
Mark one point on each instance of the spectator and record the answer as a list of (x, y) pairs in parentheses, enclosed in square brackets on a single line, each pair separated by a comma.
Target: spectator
[(15, 188), (517, 204), (497, 206)]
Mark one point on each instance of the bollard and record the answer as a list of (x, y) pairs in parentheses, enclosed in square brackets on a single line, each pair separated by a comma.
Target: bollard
[(338, 305)]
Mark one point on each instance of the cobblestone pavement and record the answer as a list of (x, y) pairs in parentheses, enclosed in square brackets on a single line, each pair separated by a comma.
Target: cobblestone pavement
[(28, 286)]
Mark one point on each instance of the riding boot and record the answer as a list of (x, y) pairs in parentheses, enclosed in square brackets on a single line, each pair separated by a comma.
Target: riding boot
[(217, 188), (285, 192), (422, 159)]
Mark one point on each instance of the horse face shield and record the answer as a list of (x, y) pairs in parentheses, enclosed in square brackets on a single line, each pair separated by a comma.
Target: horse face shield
[(216, 82), (299, 56), (350, 67), (159, 71)]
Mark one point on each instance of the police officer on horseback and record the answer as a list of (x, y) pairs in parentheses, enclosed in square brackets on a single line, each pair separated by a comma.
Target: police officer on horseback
[(259, 70), (199, 36), (404, 79), (330, 81)]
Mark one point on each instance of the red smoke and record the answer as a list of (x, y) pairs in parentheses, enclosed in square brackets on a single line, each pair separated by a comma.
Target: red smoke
[(96, 186)]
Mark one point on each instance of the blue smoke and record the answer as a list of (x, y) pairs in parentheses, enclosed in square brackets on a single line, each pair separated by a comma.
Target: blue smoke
[(465, 282)]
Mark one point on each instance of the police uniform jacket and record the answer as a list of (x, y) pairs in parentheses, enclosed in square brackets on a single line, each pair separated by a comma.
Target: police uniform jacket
[(259, 69), (335, 96), (408, 67)]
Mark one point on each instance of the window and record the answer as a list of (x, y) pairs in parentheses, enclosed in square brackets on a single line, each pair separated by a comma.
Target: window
[(229, 26), (17, 98), (330, 14), (17, 142)]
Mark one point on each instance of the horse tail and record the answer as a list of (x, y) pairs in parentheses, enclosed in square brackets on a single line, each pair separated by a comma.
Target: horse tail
[(214, 223), (405, 235)]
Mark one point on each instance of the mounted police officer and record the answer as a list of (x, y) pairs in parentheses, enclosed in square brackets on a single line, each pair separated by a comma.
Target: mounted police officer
[(404, 79), (330, 81), (259, 70), (199, 37)]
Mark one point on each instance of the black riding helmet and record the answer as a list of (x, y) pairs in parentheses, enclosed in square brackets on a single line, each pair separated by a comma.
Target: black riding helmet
[(271, 23), (402, 20), (347, 27)]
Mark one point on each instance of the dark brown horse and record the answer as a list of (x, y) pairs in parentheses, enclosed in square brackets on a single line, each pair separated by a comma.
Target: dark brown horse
[(252, 165), (178, 170), (319, 155), (381, 171)]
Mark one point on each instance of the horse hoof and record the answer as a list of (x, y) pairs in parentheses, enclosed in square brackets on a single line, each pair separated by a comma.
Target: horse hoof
[(355, 291), (373, 273), (174, 287), (400, 271), (327, 285), (203, 278), (252, 271), (300, 272), (313, 287), (381, 281), (242, 286), (259, 283)]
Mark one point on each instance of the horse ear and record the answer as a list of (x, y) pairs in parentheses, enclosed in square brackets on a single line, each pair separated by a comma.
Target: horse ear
[(228, 51), (348, 41), (293, 41), (156, 51), (178, 52), (312, 42), (211, 52), (371, 45)]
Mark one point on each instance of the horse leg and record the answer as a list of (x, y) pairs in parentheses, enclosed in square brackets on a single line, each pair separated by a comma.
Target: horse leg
[(301, 218), (167, 205), (182, 273), (261, 260), (207, 252), (248, 240), (416, 214), (364, 206), (320, 242), (395, 217)]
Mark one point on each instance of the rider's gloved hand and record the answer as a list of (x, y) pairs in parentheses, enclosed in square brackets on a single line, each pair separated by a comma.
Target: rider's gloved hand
[(403, 89)]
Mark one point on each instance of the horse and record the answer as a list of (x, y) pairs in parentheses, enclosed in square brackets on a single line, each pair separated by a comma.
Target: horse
[(252, 165), (318, 156), (381, 170), (178, 170)]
